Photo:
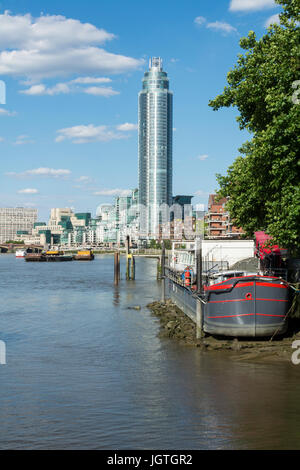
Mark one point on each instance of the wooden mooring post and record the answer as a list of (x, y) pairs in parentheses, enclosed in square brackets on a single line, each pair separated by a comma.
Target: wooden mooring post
[(127, 258), (116, 268), (199, 268), (132, 267), (199, 306), (199, 319), (163, 260), (130, 261)]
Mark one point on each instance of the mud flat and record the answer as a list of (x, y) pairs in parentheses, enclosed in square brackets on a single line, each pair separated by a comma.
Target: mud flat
[(175, 324)]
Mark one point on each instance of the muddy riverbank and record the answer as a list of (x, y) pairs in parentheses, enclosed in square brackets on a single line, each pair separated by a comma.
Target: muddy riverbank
[(178, 326)]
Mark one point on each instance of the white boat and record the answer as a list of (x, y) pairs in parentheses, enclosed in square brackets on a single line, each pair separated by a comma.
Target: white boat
[(21, 253)]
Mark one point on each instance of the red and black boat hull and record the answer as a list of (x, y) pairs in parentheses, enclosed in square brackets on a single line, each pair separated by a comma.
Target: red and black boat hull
[(247, 306)]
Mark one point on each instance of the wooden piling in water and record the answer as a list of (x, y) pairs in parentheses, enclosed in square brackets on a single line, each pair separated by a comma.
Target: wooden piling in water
[(199, 268), (127, 258), (158, 269), (130, 261), (199, 319), (116, 268), (199, 306), (163, 254), (132, 268)]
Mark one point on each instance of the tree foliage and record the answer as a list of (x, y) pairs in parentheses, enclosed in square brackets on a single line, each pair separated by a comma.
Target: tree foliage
[(262, 185)]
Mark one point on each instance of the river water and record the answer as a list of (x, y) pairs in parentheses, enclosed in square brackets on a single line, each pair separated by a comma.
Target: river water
[(85, 372)]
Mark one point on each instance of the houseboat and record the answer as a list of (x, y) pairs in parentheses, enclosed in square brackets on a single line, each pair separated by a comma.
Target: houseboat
[(235, 303), (246, 305)]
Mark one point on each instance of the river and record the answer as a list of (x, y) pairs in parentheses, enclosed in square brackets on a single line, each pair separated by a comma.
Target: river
[(83, 371)]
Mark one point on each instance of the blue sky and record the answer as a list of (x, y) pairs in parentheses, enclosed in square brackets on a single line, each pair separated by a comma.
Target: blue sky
[(73, 71)]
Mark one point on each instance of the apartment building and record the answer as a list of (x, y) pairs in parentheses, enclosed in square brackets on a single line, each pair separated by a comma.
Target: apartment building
[(13, 220), (217, 220)]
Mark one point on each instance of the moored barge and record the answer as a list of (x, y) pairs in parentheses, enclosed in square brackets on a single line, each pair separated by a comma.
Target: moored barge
[(48, 256), (84, 255)]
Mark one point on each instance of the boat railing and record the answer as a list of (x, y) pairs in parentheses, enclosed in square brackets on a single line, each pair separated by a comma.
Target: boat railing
[(174, 276), (278, 272)]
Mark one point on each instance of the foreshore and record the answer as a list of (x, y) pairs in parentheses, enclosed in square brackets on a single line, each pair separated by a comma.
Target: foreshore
[(178, 326)]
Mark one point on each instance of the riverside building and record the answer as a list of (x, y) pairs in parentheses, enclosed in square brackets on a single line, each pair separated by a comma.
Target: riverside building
[(155, 129), (217, 220), (14, 220)]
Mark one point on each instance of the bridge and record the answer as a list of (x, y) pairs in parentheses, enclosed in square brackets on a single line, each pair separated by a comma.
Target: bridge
[(12, 247)]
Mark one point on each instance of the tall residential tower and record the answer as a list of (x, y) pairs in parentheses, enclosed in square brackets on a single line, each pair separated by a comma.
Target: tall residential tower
[(155, 145)]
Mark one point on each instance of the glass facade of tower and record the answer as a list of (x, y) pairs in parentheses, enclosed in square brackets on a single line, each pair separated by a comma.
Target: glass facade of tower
[(155, 143)]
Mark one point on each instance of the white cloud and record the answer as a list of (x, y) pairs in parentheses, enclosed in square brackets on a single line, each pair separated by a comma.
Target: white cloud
[(274, 19), (216, 25), (51, 46), (49, 172), (5, 112), (43, 90), (200, 20), (83, 134), (83, 179), (113, 192), (127, 126), (251, 5), (201, 193), (221, 26), (23, 140), (1, 139), (202, 157), (101, 91), (48, 31), (35, 90), (70, 87), (28, 191), (89, 80)]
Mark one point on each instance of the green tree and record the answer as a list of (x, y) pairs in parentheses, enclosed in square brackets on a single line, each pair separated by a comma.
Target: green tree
[(168, 244), (154, 245), (262, 185)]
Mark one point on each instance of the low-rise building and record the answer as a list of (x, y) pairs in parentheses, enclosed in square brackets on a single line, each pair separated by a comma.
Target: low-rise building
[(14, 220), (217, 220)]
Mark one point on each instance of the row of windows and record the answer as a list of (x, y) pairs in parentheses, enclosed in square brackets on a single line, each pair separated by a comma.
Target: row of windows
[(159, 99)]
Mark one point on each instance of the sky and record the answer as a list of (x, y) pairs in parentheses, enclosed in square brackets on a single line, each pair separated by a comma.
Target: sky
[(72, 72)]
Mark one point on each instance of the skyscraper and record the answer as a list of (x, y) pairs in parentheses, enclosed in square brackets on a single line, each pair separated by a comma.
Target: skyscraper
[(155, 145)]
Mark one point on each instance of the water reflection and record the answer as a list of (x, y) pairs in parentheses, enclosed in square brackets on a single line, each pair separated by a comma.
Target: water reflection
[(116, 296)]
